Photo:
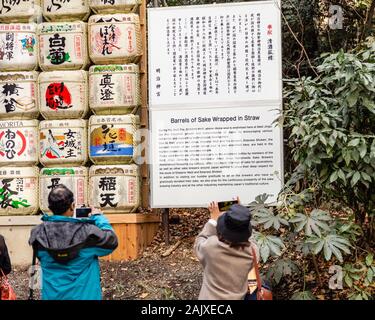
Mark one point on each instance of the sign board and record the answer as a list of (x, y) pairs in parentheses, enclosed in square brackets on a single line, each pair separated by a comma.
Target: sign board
[(215, 92), (215, 55)]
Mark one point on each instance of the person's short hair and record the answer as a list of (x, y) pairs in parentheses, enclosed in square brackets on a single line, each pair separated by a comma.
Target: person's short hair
[(60, 199)]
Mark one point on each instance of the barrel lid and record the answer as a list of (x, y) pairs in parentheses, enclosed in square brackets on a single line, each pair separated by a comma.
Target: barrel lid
[(113, 18), (19, 76), (21, 172), (71, 123), (113, 119), (66, 75), (114, 68), (18, 27), (18, 123), (99, 3), (131, 169), (61, 27), (64, 171)]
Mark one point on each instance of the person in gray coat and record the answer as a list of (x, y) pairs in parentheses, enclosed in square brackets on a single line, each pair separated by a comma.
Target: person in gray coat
[(225, 252)]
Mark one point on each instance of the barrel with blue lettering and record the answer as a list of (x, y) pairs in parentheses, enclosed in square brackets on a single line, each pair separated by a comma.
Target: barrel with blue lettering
[(114, 139)]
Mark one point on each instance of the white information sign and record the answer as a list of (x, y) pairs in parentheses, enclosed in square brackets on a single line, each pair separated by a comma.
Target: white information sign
[(215, 54), (214, 155), (215, 92)]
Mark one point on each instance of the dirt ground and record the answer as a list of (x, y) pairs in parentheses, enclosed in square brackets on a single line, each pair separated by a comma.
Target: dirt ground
[(153, 277), (177, 276)]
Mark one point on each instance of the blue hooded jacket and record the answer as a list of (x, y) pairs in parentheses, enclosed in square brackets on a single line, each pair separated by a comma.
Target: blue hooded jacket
[(79, 278)]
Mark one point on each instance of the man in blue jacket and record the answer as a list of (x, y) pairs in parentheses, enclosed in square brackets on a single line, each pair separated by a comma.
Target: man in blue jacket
[(68, 249)]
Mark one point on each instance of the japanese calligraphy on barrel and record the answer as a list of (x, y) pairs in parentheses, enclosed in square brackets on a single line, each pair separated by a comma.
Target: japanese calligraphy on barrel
[(63, 142), (18, 143), (114, 39), (19, 190), (114, 89), (113, 6), (75, 178), (19, 10), (114, 188), (18, 47), (113, 139), (63, 94), (63, 46), (65, 10), (18, 95)]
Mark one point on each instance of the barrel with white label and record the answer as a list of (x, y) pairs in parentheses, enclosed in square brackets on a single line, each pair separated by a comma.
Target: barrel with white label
[(19, 191), (63, 142), (19, 143), (63, 46), (114, 89), (18, 95), (113, 6), (18, 47), (63, 94), (114, 39), (113, 139), (19, 11), (114, 188), (74, 178), (65, 10)]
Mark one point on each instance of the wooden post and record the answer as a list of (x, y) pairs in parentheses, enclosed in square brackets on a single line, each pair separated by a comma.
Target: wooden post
[(165, 222), (145, 175)]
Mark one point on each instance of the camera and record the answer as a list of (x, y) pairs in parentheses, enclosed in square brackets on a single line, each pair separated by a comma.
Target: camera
[(83, 212)]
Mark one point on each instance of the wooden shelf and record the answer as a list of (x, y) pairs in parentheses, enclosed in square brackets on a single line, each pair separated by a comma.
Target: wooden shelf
[(133, 218)]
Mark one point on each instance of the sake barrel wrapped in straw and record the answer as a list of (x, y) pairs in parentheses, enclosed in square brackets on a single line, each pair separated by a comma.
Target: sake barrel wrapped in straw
[(114, 39), (115, 188), (18, 47), (66, 10), (63, 46), (19, 95), (19, 143), (114, 89), (63, 94), (63, 142), (113, 6), (19, 191)]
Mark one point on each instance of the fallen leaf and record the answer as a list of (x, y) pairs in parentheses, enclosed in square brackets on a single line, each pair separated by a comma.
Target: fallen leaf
[(144, 295)]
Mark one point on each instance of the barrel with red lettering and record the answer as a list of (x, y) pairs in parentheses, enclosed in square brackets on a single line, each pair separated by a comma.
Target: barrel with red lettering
[(63, 94), (18, 143)]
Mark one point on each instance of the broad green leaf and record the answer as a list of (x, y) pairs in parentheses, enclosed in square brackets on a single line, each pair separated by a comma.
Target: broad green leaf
[(354, 142), (304, 295), (369, 259), (355, 179)]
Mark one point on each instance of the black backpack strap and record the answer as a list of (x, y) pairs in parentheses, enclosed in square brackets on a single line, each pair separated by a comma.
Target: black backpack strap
[(33, 272)]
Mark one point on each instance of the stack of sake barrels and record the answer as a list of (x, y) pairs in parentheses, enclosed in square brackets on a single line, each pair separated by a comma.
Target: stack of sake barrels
[(114, 47), (18, 109), (86, 111)]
